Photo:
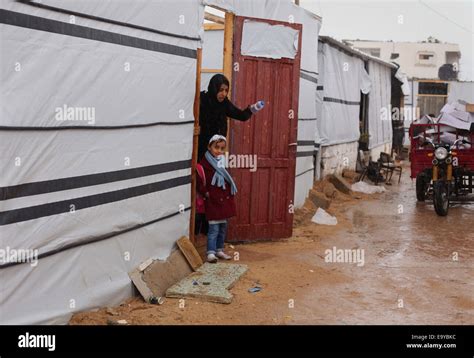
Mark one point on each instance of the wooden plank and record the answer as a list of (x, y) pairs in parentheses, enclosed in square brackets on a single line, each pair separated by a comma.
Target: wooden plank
[(213, 27), (197, 96), (214, 18), (228, 59), (161, 275), (189, 252), (212, 70)]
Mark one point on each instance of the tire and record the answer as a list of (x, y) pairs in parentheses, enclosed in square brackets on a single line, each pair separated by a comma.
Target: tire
[(421, 184), (441, 197)]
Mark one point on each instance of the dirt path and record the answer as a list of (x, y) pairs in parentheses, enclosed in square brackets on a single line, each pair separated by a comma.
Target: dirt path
[(410, 274)]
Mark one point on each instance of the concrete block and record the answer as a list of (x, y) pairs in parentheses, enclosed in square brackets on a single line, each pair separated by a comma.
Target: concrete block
[(319, 199), (160, 275), (211, 282), (340, 183)]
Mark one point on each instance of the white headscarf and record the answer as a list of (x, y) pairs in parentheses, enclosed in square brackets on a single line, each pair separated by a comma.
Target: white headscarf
[(217, 137)]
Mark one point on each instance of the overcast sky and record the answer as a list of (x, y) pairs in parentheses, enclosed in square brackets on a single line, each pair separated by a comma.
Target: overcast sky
[(448, 21)]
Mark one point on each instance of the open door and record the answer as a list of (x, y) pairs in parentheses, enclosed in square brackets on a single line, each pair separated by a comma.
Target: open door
[(266, 59)]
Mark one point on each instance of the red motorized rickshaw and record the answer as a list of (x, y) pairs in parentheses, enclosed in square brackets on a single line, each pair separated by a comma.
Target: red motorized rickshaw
[(442, 161)]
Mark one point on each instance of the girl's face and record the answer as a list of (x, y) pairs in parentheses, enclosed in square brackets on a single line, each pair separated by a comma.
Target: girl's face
[(217, 148), (223, 92)]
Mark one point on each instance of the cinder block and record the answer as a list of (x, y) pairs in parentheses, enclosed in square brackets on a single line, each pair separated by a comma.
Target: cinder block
[(340, 183), (319, 199)]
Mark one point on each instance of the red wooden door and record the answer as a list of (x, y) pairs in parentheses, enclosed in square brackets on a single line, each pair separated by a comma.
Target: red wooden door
[(264, 196)]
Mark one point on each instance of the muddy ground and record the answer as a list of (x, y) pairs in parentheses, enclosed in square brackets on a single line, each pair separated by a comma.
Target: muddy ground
[(418, 269)]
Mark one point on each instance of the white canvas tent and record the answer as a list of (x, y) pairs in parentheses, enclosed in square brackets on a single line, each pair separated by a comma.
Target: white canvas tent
[(99, 190), (342, 79), (380, 123), (345, 73)]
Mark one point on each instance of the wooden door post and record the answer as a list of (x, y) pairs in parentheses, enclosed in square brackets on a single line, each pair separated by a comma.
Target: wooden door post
[(195, 144)]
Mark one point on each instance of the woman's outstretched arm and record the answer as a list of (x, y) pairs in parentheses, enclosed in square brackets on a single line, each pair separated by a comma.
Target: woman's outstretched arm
[(236, 113)]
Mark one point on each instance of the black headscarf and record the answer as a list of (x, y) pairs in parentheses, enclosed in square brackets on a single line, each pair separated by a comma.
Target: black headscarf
[(213, 114), (214, 87)]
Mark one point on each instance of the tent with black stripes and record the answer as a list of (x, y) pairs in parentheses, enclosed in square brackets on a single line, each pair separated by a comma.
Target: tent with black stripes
[(96, 132), (353, 89)]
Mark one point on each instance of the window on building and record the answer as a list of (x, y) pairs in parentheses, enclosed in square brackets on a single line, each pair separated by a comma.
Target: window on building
[(430, 88), (393, 56), (426, 58), (452, 57)]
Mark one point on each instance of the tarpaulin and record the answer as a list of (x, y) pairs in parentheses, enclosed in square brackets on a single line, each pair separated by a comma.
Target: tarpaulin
[(96, 128), (261, 39), (380, 122), (342, 79)]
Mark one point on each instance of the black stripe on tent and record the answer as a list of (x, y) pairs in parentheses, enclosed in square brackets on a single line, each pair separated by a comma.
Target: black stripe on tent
[(307, 77), (50, 186), (24, 128), (311, 72), (305, 142), (306, 153), (64, 206), (95, 239), (310, 169), (307, 119), (337, 100), (63, 28), (309, 142), (110, 21), (319, 88)]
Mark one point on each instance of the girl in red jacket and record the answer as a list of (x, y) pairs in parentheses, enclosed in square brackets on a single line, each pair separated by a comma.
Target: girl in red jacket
[(218, 191)]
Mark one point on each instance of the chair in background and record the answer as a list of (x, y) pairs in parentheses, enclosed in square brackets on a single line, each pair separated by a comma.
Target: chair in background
[(388, 166)]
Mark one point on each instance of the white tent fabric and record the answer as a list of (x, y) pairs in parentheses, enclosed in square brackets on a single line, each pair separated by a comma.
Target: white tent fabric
[(99, 199), (380, 125), (342, 79), (402, 77), (171, 16), (286, 10), (271, 41)]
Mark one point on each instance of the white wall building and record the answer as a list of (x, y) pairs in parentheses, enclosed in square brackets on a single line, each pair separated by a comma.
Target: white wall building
[(417, 59)]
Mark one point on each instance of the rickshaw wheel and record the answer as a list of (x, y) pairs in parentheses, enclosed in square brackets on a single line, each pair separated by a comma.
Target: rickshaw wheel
[(421, 184), (441, 197)]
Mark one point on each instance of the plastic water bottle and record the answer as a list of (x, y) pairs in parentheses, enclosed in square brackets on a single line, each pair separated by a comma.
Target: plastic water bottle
[(257, 106)]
